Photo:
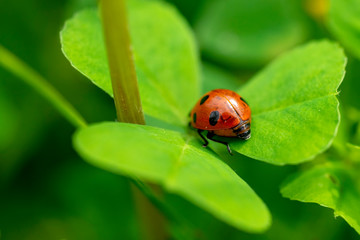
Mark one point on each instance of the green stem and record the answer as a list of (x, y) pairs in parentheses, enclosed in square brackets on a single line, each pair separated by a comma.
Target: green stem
[(120, 58), (127, 100), (178, 222), (152, 224), (13, 64), (156, 201)]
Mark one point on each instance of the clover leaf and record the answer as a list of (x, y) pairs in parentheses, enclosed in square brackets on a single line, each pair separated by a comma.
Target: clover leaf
[(295, 112), (293, 100), (332, 185), (179, 164), (166, 60)]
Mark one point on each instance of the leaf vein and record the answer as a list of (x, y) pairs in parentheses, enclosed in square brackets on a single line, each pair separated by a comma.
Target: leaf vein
[(171, 177)]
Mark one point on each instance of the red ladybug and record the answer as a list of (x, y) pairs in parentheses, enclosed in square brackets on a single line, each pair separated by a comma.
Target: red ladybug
[(223, 113)]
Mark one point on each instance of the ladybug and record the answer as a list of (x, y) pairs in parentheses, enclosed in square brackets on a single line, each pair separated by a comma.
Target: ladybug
[(221, 112)]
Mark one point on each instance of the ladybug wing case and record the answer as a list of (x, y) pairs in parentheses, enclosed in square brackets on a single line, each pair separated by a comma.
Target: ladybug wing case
[(214, 112)]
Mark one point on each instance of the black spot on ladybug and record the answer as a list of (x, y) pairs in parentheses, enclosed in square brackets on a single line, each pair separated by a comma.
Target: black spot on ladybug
[(204, 99), (243, 100), (214, 117), (194, 118)]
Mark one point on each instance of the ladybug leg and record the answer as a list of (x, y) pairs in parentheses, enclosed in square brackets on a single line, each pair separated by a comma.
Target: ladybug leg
[(210, 136), (205, 140)]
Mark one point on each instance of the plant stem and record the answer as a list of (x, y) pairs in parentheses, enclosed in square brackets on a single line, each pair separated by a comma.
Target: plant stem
[(127, 101), (120, 58), (151, 222), (160, 204), (13, 64)]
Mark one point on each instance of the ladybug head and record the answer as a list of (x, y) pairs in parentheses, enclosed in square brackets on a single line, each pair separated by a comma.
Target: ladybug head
[(243, 131)]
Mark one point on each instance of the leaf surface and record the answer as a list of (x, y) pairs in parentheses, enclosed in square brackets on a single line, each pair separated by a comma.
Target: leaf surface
[(165, 57), (179, 164), (295, 112), (332, 185)]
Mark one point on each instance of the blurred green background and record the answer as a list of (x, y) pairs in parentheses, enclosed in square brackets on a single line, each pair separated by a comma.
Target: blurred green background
[(48, 192)]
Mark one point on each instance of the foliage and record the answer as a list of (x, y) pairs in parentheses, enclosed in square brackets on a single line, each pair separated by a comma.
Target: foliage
[(332, 185), (83, 44), (205, 193), (179, 164), (288, 94), (299, 92)]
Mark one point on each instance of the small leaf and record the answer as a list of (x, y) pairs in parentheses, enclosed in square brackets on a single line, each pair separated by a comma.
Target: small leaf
[(295, 112), (164, 51), (344, 22), (179, 164), (249, 33), (331, 185)]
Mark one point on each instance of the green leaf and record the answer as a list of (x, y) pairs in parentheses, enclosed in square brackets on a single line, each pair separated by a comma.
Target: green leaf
[(295, 112), (165, 57), (179, 164), (344, 22), (331, 185), (249, 33)]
